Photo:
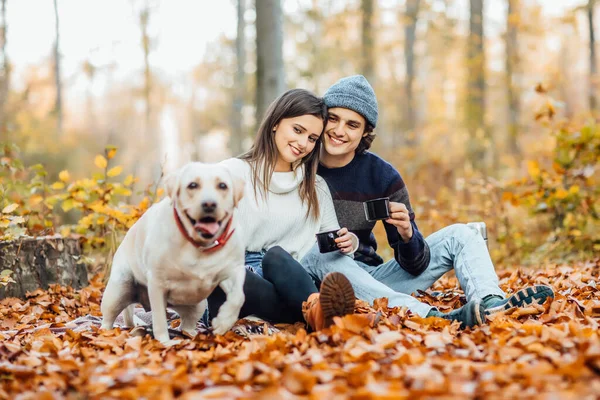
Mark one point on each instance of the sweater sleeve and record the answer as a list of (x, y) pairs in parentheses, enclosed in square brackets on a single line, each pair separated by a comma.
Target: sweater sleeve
[(413, 256)]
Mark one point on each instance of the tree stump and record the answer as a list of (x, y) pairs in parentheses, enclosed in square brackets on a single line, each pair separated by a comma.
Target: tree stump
[(38, 262)]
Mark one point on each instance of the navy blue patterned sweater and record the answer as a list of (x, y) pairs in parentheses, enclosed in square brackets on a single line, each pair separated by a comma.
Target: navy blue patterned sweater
[(368, 177)]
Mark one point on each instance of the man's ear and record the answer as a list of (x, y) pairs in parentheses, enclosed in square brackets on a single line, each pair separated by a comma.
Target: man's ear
[(171, 184), (238, 187)]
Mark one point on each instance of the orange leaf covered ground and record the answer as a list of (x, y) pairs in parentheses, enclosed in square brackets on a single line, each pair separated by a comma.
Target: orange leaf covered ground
[(552, 351)]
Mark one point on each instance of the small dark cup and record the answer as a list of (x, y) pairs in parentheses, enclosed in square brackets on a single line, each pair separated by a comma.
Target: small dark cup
[(326, 241), (377, 209)]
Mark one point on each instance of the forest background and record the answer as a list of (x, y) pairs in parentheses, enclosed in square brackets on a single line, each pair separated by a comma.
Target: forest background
[(487, 109)]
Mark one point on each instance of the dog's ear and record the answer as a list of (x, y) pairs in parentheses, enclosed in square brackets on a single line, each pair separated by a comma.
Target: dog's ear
[(171, 184), (238, 187)]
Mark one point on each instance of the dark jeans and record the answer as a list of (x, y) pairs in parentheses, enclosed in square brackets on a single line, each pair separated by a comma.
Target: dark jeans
[(278, 295)]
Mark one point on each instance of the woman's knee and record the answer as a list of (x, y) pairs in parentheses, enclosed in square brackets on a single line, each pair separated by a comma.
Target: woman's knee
[(274, 256), (276, 259)]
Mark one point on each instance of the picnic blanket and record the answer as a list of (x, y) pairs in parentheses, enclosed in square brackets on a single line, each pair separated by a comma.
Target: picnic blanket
[(143, 325)]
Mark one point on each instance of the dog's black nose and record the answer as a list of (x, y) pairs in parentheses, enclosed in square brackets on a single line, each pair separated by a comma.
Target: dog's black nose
[(209, 206)]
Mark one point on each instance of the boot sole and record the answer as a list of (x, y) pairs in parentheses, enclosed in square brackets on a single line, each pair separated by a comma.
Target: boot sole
[(479, 313), (337, 297), (526, 296)]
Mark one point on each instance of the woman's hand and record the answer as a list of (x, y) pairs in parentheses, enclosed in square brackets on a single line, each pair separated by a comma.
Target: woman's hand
[(344, 241)]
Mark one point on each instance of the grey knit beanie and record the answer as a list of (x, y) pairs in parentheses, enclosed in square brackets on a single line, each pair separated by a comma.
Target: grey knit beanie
[(355, 93)]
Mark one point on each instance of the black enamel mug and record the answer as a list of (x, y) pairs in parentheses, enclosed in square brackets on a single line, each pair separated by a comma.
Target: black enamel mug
[(377, 209), (326, 241)]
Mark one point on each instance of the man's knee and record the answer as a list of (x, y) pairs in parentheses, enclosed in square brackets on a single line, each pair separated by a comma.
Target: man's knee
[(462, 232)]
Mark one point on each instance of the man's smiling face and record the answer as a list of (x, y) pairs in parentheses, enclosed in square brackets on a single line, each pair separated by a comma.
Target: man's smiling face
[(344, 130)]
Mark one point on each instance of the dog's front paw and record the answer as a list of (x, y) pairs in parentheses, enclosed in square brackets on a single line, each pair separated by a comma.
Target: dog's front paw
[(106, 326), (221, 324), (171, 342), (189, 332)]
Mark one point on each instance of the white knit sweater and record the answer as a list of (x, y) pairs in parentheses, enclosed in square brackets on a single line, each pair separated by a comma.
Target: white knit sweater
[(280, 219)]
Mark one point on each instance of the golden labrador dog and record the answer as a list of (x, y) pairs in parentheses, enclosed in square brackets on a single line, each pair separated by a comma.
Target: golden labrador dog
[(179, 251)]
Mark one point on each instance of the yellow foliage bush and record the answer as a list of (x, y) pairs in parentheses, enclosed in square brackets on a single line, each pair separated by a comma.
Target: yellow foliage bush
[(565, 191), (31, 205), (551, 212)]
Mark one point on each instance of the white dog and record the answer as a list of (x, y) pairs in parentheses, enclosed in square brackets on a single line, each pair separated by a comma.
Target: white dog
[(179, 251)]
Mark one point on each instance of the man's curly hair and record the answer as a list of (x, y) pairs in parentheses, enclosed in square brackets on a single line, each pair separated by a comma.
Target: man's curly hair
[(365, 142)]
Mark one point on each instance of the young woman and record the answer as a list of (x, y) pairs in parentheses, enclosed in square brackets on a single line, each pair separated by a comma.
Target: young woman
[(285, 204)]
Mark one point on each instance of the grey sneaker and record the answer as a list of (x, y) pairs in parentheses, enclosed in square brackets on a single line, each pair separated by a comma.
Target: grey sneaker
[(521, 298), (469, 315)]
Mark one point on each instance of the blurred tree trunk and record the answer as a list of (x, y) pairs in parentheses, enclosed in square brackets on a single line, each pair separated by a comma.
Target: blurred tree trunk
[(148, 143), (144, 19), (58, 110), (270, 79), (410, 119), (90, 71), (4, 73), (237, 133), (512, 60), (565, 73), (318, 66), (368, 42), (475, 109), (593, 65)]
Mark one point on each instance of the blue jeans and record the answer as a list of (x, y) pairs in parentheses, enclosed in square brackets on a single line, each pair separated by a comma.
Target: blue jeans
[(254, 261), (455, 247)]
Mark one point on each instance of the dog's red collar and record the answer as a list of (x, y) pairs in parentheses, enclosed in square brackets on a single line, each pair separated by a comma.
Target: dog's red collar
[(217, 244)]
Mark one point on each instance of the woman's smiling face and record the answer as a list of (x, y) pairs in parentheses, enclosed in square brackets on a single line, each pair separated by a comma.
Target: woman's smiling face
[(295, 138)]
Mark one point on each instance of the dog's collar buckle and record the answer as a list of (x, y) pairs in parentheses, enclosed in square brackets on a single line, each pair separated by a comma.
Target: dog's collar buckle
[(217, 244), (221, 240)]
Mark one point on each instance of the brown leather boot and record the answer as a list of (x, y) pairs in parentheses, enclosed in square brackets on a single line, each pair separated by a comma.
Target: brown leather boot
[(336, 299)]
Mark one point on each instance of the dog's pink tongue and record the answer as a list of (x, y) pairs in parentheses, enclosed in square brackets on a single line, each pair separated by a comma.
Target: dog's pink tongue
[(207, 227)]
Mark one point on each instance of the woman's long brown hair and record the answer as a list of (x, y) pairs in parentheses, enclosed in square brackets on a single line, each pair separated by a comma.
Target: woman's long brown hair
[(263, 154)]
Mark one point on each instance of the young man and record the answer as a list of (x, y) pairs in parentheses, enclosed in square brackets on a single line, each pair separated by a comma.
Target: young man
[(355, 175)]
